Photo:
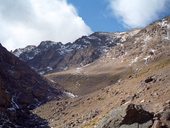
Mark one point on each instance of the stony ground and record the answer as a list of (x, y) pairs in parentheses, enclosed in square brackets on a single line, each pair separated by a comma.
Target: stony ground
[(149, 87), (135, 72)]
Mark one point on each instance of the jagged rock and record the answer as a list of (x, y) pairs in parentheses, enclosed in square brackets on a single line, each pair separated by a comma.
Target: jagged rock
[(127, 116)]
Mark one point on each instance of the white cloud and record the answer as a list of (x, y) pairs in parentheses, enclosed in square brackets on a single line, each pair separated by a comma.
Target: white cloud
[(137, 13), (24, 22)]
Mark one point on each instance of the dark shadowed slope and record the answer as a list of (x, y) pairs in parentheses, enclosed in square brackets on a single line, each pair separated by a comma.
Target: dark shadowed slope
[(21, 89)]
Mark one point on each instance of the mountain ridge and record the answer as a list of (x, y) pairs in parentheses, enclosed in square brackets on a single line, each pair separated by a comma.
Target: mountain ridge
[(63, 56), (50, 56)]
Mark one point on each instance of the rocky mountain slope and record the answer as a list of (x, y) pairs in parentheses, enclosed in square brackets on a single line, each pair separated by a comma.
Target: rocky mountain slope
[(120, 80), (21, 89), (52, 56), (148, 45), (128, 86)]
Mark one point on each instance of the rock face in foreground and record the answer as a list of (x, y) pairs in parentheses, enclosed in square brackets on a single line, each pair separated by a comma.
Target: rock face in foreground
[(134, 116), (127, 116), (21, 89)]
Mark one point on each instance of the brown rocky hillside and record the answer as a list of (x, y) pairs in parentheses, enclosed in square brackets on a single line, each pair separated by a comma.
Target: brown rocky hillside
[(127, 87)]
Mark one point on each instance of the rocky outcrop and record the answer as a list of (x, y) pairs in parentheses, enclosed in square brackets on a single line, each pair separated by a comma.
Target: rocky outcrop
[(127, 116), (134, 116)]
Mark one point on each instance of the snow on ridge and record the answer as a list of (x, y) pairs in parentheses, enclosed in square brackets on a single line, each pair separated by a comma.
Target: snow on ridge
[(47, 44), (19, 51), (92, 37), (163, 23)]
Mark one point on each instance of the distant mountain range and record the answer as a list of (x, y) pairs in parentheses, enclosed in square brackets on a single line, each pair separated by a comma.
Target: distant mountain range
[(52, 56)]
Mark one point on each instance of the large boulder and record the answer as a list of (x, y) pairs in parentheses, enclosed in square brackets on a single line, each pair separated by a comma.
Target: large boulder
[(127, 116)]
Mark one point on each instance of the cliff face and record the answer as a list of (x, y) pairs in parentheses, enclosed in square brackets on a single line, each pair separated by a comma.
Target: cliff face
[(21, 89), (20, 85)]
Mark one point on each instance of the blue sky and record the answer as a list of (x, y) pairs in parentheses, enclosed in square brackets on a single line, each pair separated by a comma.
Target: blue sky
[(28, 22), (97, 15)]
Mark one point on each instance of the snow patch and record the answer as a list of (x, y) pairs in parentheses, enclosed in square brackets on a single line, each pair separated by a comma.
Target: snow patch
[(134, 60), (71, 95), (146, 40), (153, 50), (66, 68), (42, 72), (52, 81), (163, 23), (19, 51), (11, 109), (86, 65), (120, 44), (105, 50), (79, 70), (146, 59), (168, 31), (49, 68), (92, 37), (14, 104), (30, 58)]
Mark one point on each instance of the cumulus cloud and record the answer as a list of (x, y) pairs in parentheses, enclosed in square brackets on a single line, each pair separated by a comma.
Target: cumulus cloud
[(24, 22), (138, 13)]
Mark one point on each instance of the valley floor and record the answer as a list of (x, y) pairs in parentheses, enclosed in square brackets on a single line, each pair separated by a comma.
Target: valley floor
[(149, 86)]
